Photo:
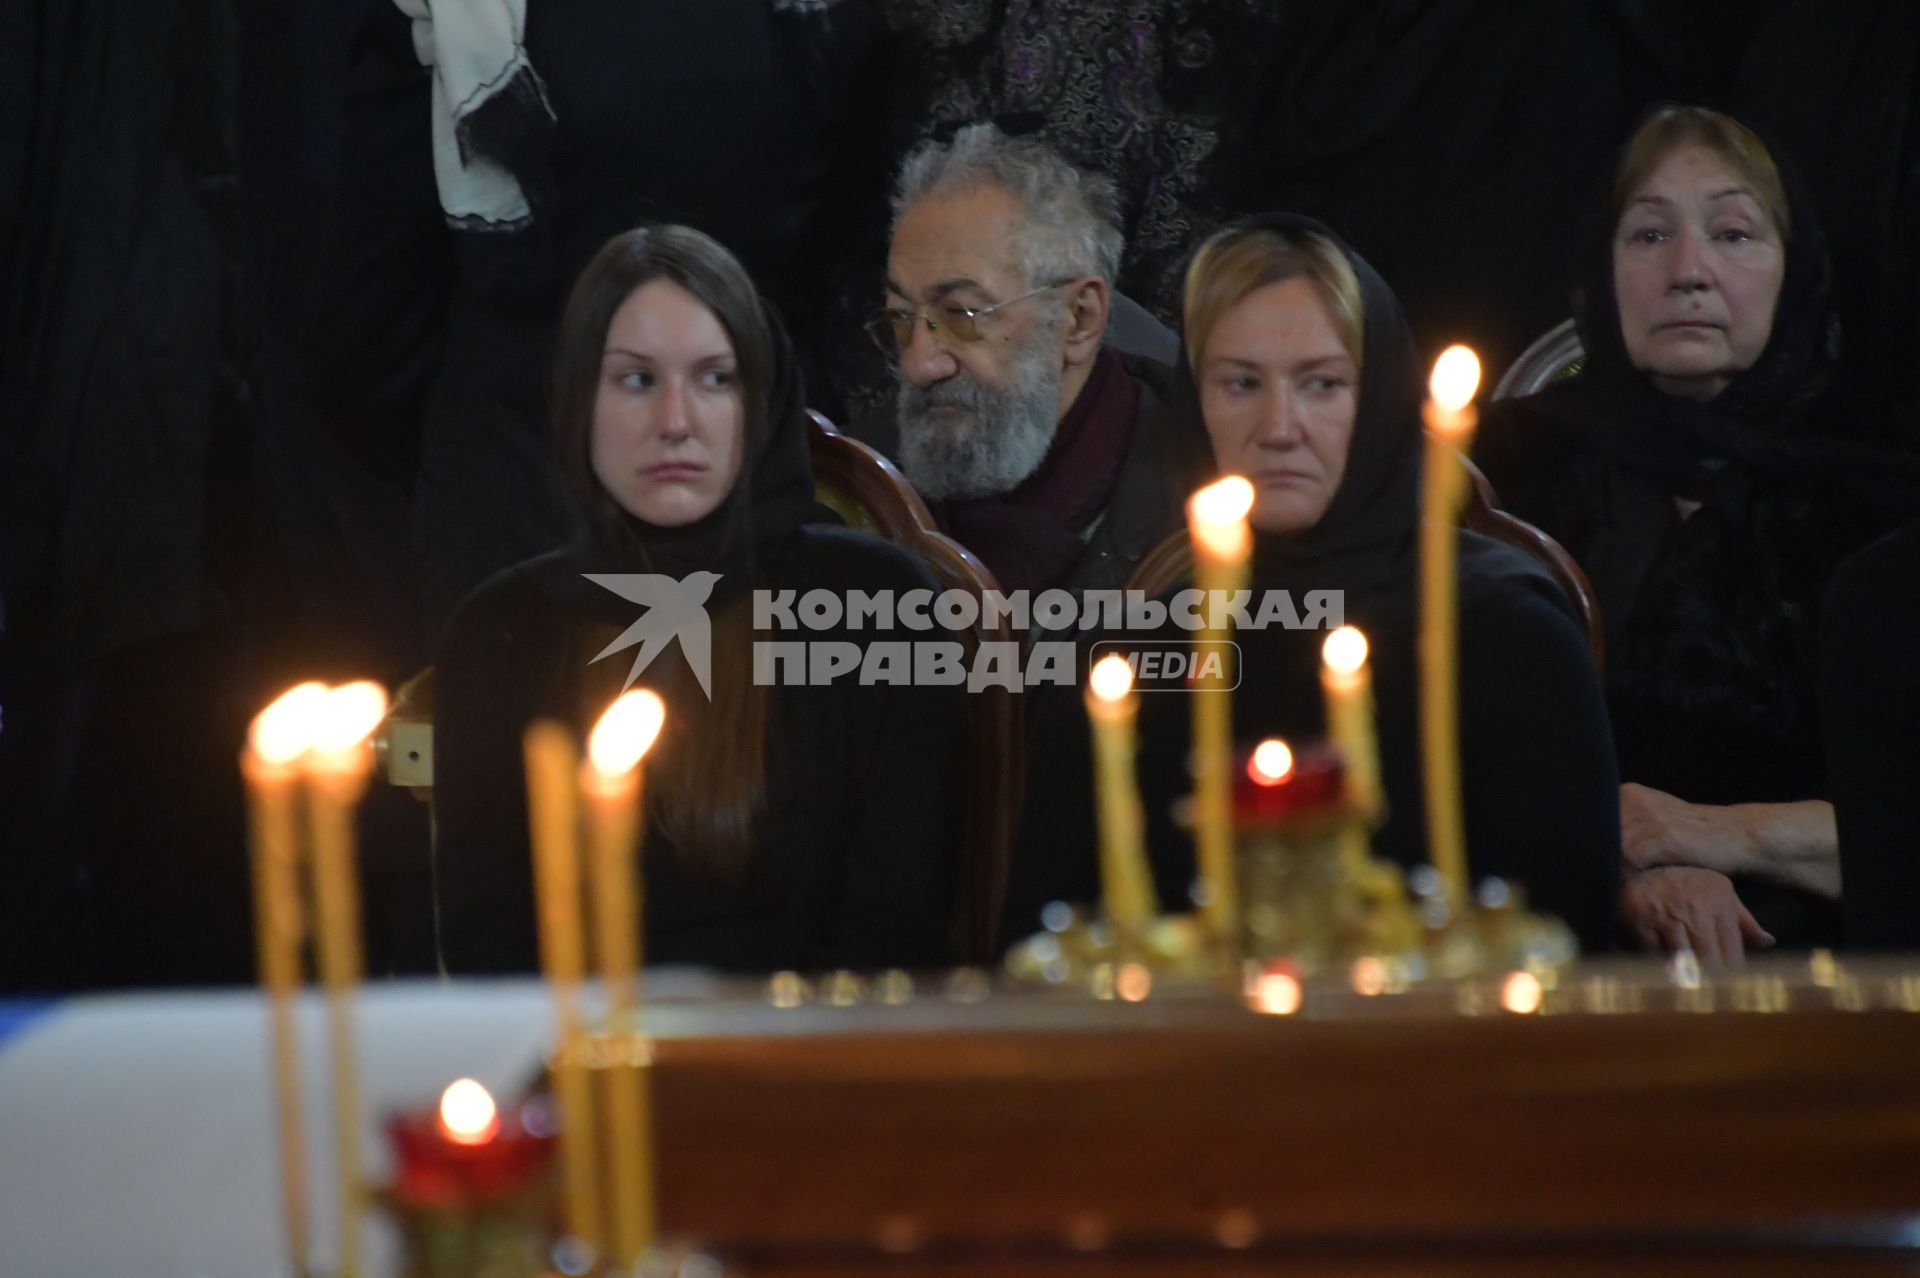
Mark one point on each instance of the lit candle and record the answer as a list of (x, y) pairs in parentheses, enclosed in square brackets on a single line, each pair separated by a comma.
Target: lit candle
[(336, 772), (1125, 882), (1450, 421), (278, 738), (1347, 685), (464, 1152), (610, 785), (1222, 544), (554, 821)]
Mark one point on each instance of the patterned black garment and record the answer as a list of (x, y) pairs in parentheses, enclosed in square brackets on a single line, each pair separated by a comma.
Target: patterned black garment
[(1129, 88)]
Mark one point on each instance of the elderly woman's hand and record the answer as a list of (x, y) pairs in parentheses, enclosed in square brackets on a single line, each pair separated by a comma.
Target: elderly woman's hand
[(1658, 829), (1790, 843), (1680, 905)]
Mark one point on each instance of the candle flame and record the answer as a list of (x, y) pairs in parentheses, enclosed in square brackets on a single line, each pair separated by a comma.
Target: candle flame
[(1277, 993), (1218, 515), (626, 732), (1345, 650), (1272, 762), (468, 1114), (1111, 678), (1133, 982), (284, 730), (348, 716), (1456, 376), (1520, 993)]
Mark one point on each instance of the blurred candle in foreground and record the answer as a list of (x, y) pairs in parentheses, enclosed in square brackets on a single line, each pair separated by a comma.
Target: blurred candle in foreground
[(336, 769), (610, 786), (279, 737), (553, 815), (1450, 422), (1222, 547), (1125, 883)]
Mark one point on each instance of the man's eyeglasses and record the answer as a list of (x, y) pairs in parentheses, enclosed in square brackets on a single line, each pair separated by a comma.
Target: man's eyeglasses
[(892, 327)]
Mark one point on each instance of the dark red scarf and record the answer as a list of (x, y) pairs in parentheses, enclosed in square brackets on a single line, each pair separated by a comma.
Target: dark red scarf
[(1031, 537)]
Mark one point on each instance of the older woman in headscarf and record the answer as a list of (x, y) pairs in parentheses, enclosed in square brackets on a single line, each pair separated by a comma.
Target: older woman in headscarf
[(1307, 384), (1700, 470)]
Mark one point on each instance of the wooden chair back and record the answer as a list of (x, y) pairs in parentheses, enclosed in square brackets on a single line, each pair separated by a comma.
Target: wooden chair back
[(869, 493)]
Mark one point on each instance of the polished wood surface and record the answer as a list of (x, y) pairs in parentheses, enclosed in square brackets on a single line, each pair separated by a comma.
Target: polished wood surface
[(1428, 1132)]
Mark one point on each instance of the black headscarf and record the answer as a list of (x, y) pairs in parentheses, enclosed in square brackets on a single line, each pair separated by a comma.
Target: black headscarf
[(1779, 419), (1710, 620), (1366, 537)]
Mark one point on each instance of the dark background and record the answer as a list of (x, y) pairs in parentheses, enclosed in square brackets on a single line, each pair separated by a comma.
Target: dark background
[(196, 510)]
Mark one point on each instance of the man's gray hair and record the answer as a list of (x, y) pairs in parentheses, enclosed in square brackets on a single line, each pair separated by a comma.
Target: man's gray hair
[(1073, 216)]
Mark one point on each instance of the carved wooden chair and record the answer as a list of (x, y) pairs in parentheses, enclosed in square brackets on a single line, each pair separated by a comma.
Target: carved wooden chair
[(868, 492), (1556, 354)]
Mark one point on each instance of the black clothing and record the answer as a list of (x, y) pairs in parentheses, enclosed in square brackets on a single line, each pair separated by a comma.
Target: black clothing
[(1709, 615), (705, 113), (1540, 795), (854, 852), (1835, 82), (855, 860), (1540, 792), (1166, 459), (1870, 710), (1421, 130)]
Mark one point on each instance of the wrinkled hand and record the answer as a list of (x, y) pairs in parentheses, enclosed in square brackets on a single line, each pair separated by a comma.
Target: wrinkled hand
[(1657, 829), (1678, 905)]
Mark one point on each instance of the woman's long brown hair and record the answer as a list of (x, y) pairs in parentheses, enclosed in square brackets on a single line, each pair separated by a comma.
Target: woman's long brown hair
[(706, 783)]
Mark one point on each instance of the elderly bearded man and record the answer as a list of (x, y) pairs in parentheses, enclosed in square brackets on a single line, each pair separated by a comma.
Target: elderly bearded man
[(1039, 447)]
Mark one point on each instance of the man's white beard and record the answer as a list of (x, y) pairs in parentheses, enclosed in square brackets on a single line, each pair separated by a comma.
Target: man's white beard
[(962, 438)]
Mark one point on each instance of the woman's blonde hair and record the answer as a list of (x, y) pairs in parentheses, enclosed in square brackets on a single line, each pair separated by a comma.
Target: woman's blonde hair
[(1239, 261), (1732, 143)]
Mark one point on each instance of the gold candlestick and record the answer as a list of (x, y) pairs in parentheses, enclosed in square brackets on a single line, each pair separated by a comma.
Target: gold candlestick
[(1222, 544), (336, 772), (279, 736), (554, 821), (610, 786), (1125, 883), (1450, 421)]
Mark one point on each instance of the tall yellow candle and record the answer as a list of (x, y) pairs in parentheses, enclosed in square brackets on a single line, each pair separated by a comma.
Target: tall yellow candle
[(279, 736), (1125, 882), (1450, 421), (553, 814), (1222, 546), (1346, 683), (610, 786), (336, 771)]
